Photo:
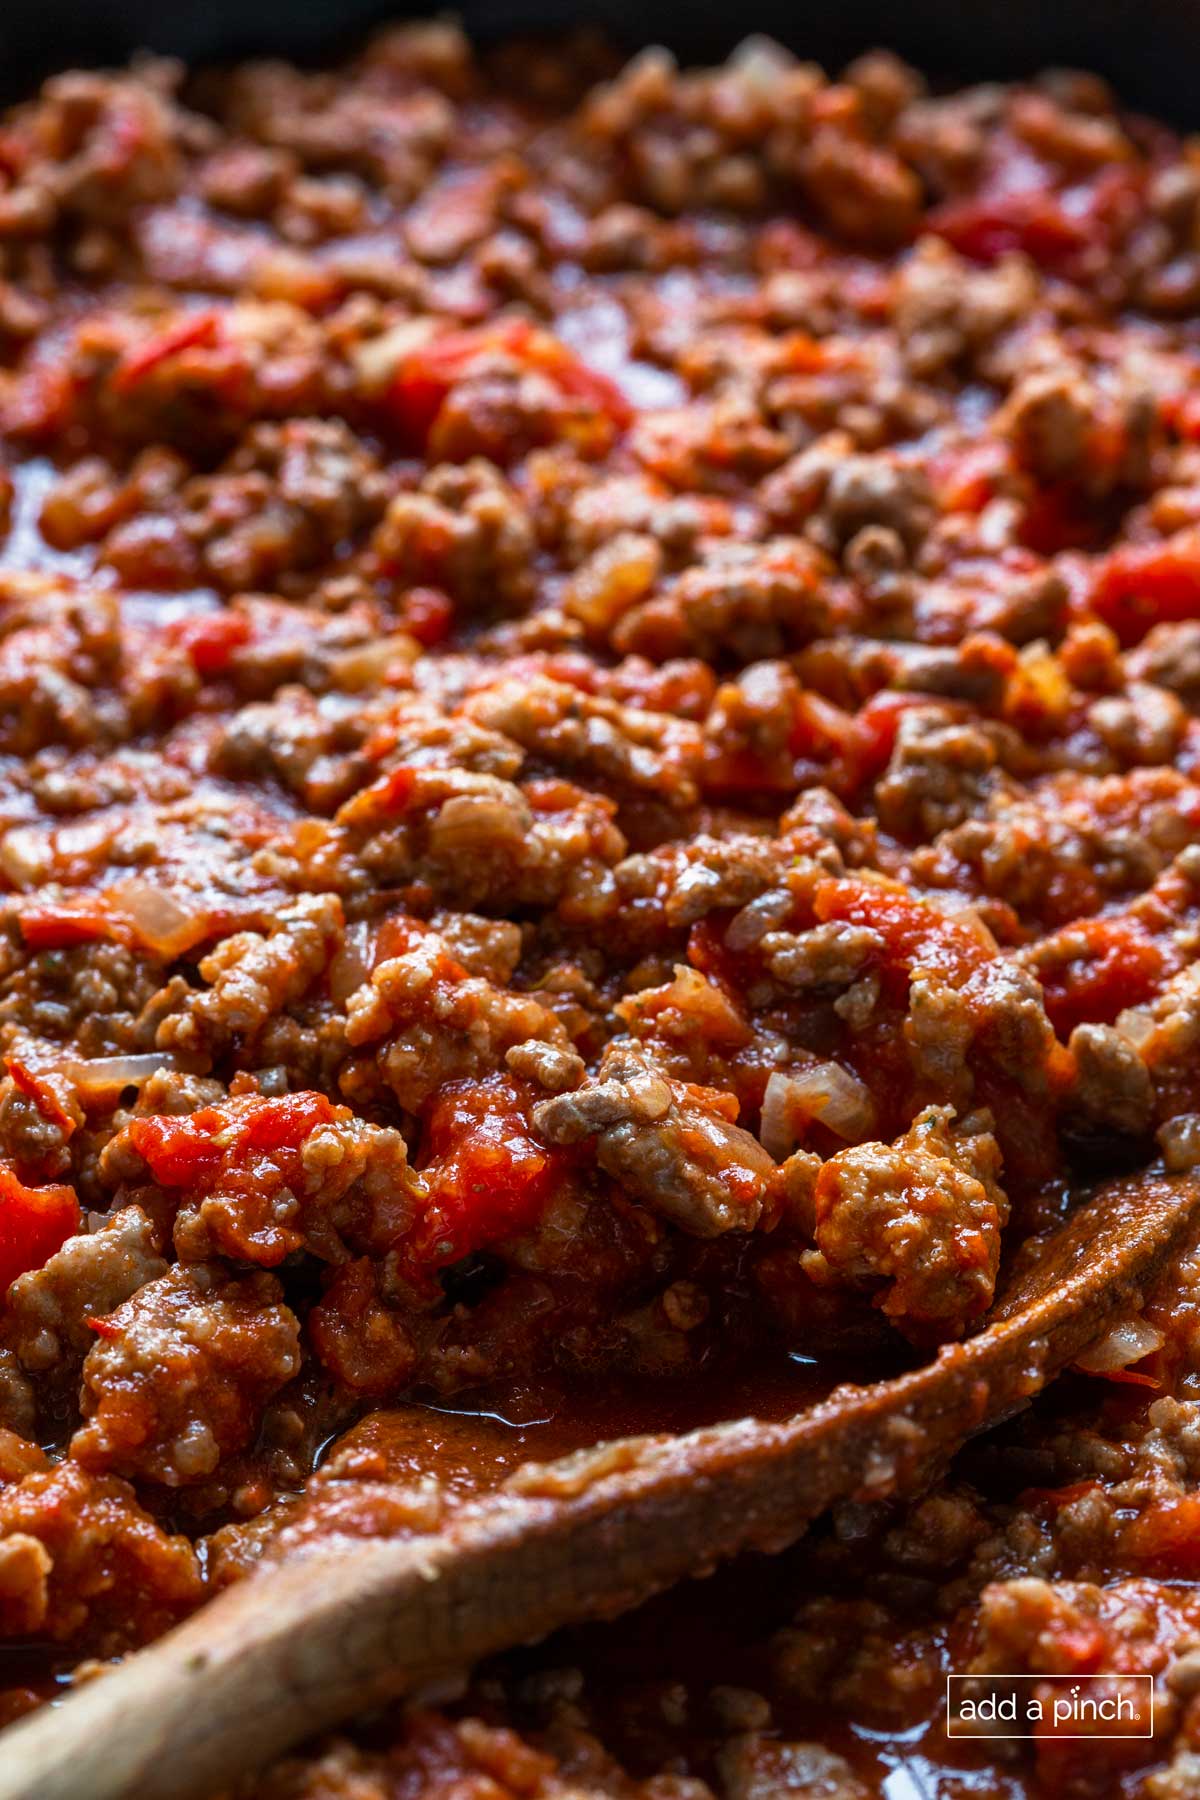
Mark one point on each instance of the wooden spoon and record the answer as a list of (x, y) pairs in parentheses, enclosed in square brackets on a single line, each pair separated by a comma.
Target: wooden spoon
[(300, 1645)]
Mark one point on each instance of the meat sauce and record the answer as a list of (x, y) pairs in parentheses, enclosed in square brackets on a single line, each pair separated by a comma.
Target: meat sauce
[(599, 816)]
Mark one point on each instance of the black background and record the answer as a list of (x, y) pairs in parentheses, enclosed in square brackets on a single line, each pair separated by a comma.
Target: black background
[(1147, 48)]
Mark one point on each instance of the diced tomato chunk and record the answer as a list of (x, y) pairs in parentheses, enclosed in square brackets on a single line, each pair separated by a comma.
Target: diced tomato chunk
[(178, 1151), (196, 329), (489, 1177), (34, 1223), (385, 797), (1141, 585), (966, 476), (416, 397), (427, 614), (284, 1124), (211, 639), (1082, 1646), (399, 933), (57, 925), (914, 933), (1031, 220), (359, 1338), (1115, 965), (1053, 227), (1181, 415), (187, 1152), (708, 952), (427, 374), (875, 726), (44, 1088), (41, 402), (1165, 1536), (574, 377), (820, 729)]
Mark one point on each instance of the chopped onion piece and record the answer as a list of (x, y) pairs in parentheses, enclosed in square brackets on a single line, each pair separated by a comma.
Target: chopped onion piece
[(352, 964), (368, 664), (377, 359), (1126, 1343), (24, 855), (93, 1073), (165, 925), (1136, 1025), (1180, 1141), (827, 1093)]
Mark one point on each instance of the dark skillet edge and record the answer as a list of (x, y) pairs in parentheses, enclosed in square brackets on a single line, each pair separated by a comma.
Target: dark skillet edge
[(1145, 47)]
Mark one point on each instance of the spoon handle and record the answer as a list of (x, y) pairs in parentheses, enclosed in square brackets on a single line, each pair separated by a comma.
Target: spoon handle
[(303, 1644)]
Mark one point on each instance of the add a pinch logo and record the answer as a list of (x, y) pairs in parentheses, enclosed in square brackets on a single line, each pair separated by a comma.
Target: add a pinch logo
[(1050, 1706)]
